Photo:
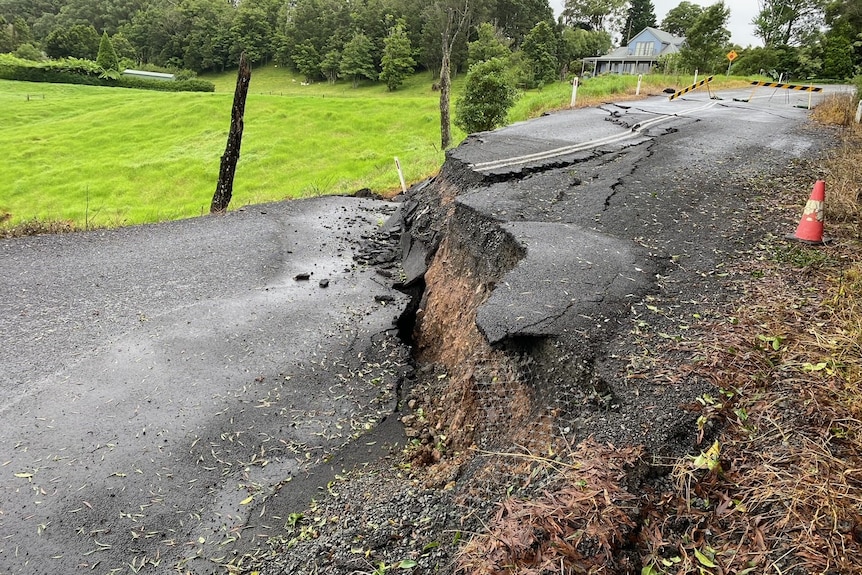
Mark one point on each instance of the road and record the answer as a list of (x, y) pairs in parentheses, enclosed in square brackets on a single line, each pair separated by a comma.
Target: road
[(162, 387), (159, 381)]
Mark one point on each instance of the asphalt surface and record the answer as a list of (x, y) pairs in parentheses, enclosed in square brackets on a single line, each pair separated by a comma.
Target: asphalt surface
[(165, 389), (159, 382), (574, 187)]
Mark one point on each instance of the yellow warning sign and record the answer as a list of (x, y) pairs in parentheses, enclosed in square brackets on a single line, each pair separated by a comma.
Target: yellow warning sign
[(732, 55)]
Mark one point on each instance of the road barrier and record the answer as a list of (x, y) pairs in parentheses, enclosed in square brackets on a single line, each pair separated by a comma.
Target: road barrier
[(782, 85), (694, 86), (787, 86)]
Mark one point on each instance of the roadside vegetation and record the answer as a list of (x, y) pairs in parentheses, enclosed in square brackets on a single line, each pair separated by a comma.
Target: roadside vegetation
[(776, 486)]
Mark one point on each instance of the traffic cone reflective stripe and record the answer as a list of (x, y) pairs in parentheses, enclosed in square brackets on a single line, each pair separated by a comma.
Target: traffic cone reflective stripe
[(810, 227)]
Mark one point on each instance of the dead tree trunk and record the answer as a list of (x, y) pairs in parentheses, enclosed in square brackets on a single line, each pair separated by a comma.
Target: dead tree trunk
[(445, 87), (224, 188), (449, 39)]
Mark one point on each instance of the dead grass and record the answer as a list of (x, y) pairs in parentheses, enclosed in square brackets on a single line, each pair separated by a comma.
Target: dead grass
[(577, 527), (34, 227), (844, 166), (785, 495)]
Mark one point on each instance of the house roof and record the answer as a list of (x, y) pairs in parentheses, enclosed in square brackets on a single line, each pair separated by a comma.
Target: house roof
[(670, 45), (666, 37)]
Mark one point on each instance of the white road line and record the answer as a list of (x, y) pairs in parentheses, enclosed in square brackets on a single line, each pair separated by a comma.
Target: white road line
[(566, 150)]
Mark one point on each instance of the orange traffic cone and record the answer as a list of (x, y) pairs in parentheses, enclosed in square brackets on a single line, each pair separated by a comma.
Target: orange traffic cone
[(810, 230)]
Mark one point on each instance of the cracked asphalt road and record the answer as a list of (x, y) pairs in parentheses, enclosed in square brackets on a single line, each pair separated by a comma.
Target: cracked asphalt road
[(566, 191), (163, 389)]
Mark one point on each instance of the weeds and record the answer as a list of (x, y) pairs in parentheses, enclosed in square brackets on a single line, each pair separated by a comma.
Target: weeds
[(34, 227), (788, 496)]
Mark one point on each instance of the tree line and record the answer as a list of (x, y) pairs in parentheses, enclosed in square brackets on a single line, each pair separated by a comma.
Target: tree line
[(321, 39), (386, 39)]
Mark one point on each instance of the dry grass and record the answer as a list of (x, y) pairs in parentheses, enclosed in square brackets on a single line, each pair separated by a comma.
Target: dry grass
[(34, 227), (577, 527), (786, 493), (844, 167)]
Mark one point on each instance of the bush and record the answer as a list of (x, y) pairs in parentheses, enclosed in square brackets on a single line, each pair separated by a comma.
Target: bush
[(489, 93), (87, 72), (29, 52), (165, 86)]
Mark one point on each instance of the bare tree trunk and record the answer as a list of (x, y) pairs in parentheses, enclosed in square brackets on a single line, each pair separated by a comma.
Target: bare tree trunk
[(445, 86), (224, 188), (449, 39)]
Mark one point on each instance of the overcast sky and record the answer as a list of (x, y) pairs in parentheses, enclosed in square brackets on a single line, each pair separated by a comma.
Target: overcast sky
[(742, 12)]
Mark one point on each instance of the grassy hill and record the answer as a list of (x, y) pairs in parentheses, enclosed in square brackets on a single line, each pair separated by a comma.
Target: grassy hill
[(106, 156), (99, 157)]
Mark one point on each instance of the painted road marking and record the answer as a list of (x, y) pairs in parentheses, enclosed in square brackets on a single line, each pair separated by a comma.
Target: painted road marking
[(566, 150)]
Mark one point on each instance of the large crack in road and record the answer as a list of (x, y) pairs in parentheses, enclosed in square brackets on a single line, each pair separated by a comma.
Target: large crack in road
[(174, 396)]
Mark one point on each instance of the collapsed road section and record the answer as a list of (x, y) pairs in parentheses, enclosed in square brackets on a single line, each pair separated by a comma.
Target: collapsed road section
[(215, 395), (540, 284)]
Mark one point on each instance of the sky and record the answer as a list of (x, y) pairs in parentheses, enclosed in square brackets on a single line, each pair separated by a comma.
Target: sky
[(742, 12)]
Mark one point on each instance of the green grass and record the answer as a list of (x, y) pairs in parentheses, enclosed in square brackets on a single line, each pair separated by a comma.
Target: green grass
[(107, 157), (99, 156)]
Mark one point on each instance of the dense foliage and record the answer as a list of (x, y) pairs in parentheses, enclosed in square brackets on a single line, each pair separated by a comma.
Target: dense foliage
[(381, 40)]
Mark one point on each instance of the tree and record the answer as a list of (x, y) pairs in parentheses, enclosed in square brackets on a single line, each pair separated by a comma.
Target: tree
[(593, 14), (307, 60), (641, 13), (331, 65), (78, 41), (678, 20), (448, 39), (207, 43), (7, 41), (837, 54), (489, 93), (397, 61), (357, 60), (577, 43), (251, 32), (123, 48), (517, 17), (787, 22), (845, 17), (707, 39), (107, 57), (540, 50), (489, 44)]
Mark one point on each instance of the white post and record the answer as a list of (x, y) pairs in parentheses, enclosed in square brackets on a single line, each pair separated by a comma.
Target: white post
[(400, 176), (859, 112), (638, 90), (695, 76), (574, 92)]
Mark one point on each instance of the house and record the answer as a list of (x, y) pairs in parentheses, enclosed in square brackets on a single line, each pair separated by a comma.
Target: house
[(641, 54), (148, 75)]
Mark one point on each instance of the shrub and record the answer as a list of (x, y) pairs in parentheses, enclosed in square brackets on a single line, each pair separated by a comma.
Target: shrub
[(87, 72), (107, 58), (488, 94), (29, 52)]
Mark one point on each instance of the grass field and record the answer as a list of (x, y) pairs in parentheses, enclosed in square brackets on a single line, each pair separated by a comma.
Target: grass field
[(100, 157)]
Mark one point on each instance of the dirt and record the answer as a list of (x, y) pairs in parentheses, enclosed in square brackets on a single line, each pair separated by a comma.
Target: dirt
[(489, 424)]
